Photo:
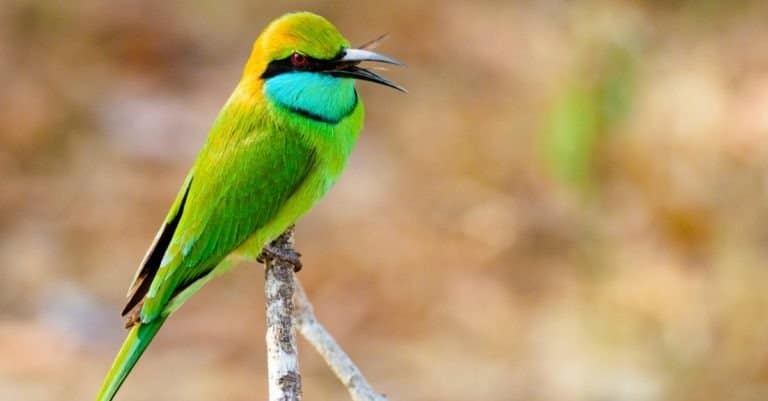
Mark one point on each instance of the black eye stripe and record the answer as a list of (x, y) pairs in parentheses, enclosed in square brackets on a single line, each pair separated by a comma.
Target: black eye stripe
[(277, 67)]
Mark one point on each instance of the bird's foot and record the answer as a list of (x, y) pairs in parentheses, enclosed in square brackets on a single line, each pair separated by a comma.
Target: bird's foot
[(271, 252)]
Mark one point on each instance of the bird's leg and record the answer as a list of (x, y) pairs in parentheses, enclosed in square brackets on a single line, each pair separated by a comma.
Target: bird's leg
[(280, 249)]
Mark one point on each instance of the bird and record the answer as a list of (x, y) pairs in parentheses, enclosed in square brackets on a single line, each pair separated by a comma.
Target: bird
[(277, 146)]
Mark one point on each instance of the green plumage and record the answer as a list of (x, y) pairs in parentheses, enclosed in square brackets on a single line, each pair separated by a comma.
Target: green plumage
[(243, 176), (134, 345)]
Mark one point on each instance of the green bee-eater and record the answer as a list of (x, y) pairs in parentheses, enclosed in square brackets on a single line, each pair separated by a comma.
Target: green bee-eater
[(276, 147)]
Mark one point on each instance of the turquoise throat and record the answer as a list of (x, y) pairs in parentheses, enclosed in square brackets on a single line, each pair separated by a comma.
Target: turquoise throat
[(314, 95)]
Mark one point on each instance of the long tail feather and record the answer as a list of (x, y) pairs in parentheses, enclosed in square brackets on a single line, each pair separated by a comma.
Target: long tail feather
[(134, 345)]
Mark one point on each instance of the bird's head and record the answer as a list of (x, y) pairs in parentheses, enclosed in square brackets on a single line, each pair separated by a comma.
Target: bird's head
[(306, 42), (302, 62)]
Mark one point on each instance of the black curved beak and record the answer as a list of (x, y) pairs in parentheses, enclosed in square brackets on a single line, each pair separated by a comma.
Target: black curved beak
[(347, 66)]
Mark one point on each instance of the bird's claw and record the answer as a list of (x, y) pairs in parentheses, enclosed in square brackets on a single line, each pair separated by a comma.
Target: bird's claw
[(271, 252)]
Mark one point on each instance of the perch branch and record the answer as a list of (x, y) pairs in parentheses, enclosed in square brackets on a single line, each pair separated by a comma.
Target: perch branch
[(329, 349), (288, 305), (282, 354)]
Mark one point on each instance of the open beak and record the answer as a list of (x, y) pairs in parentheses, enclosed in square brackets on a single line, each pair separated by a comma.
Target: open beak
[(347, 66)]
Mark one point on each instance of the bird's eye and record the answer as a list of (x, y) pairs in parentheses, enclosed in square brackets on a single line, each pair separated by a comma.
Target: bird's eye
[(299, 60)]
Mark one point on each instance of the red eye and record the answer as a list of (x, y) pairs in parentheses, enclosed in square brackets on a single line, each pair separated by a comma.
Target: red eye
[(299, 60)]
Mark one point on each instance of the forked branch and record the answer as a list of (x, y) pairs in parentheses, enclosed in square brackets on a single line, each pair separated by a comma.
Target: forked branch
[(288, 308)]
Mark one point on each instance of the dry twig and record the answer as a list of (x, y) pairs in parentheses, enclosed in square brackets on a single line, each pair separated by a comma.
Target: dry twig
[(329, 349)]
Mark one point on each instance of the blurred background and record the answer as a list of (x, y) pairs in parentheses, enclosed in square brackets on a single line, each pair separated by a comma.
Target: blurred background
[(570, 203)]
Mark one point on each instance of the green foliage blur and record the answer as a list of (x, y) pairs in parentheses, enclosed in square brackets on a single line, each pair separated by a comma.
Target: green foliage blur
[(593, 102)]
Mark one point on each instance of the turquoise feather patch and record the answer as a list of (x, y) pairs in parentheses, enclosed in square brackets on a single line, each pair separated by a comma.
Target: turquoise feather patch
[(314, 95)]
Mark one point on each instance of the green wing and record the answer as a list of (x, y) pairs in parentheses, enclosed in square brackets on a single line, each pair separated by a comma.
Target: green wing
[(148, 267), (238, 184)]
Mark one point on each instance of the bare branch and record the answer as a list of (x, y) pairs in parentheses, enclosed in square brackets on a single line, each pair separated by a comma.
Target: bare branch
[(329, 349), (282, 353)]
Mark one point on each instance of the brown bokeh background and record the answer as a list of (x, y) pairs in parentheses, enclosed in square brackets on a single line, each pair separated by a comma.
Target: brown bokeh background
[(570, 203)]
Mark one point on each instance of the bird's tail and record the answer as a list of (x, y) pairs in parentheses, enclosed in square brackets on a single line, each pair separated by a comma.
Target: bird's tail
[(134, 345)]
